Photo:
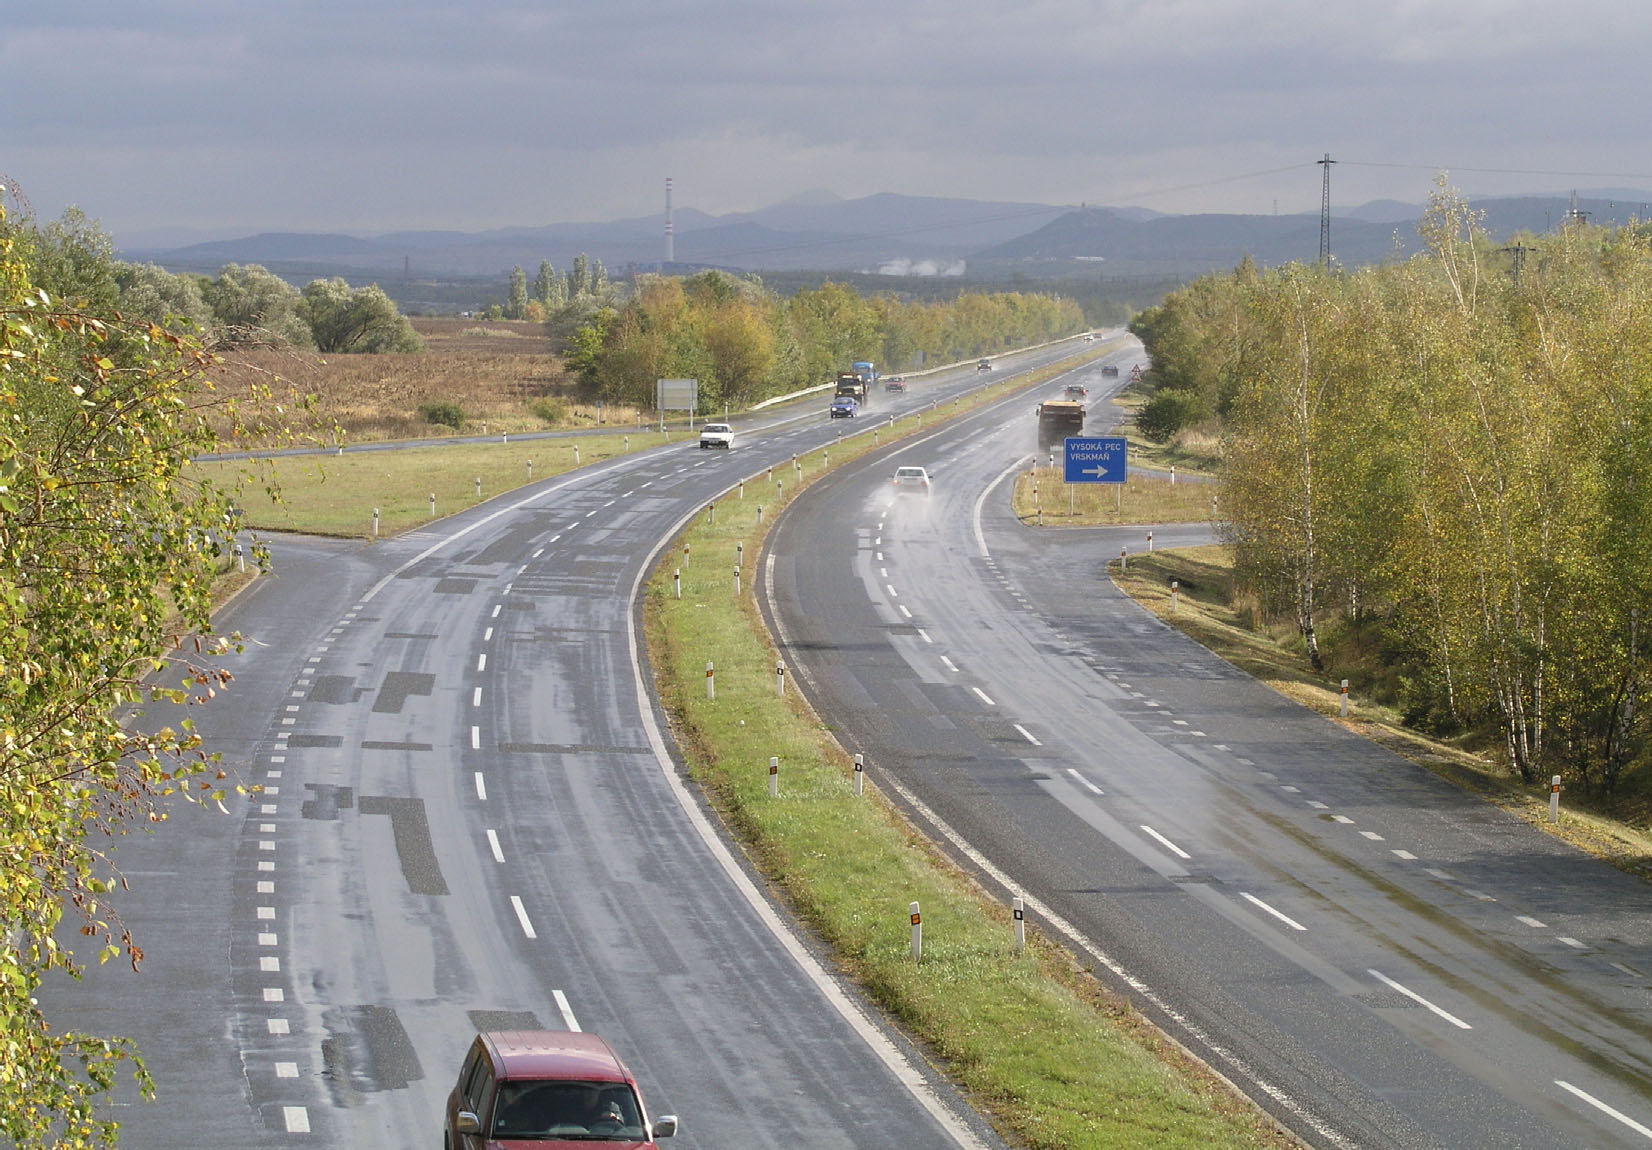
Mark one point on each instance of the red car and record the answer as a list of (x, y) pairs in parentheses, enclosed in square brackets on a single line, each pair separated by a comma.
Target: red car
[(894, 383), (544, 1089)]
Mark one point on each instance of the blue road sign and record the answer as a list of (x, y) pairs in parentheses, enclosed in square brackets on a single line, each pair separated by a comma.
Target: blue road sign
[(1096, 459)]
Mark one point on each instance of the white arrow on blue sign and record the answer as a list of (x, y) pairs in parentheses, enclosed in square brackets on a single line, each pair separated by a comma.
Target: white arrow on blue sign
[(1096, 459)]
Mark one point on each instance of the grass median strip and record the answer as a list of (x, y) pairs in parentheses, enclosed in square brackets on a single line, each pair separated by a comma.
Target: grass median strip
[(1039, 1046)]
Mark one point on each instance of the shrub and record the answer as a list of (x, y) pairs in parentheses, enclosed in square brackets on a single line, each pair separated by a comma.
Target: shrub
[(550, 411), (446, 413), (1168, 412)]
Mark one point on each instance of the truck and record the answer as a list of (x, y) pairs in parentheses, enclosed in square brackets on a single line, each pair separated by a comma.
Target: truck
[(851, 384), (1057, 419), (867, 372)]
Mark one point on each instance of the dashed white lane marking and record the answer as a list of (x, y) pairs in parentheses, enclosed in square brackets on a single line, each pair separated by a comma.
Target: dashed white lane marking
[(902, 608), (566, 1010), (640, 486), (286, 1070), (277, 1026), (1479, 894), (493, 845), (880, 557), (1280, 915), (496, 609), (924, 635), (1341, 819), (277, 759), (522, 916), (267, 940), (1644, 1131), (1028, 735), (1419, 999), (890, 587), (1622, 969), (594, 510), (1084, 782), (628, 494), (481, 787), (297, 1118), (1535, 924), (1406, 855), (950, 665), (476, 697), (266, 865), (554, 538), (1372, 835), (265, 886), (266, 913), (487, 635), (269, 964), (883, 572), (1166, 843), (1316, 804), (1443, 876), (274, 994), (273, 790), (611, 502), (985, 698), (1572, 942), (482, 661), (266, 844), (476, 738), (537, 554)]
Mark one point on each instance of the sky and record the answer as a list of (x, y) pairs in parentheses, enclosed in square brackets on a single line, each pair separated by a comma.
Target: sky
[(367, 116)]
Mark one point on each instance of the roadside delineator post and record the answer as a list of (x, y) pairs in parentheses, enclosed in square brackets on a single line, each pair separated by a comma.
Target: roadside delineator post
[(433, 503), (626, 441), (917, 932), (1342, 705), (240, 558), (375, 523), (677, 581), (780, 676), (711, 684), (774, 776), (1172, 475), (737, 579), (742, 489), (860, 775), (1554, 799), (711, 514), (1124, 558), (771, 471), (576, 455), (1020, 925), (739, 554), (478, 487), (1175, 587), (530, 471), (1149, 541), (759, 513)]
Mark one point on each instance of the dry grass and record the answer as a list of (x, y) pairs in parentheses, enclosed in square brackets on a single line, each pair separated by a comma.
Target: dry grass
[(499, 372)]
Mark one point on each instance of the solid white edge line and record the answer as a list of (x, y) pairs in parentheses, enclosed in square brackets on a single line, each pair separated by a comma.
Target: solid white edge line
[(493, 845), (975, 515), (1419, 999), (522, 916), (1172, 847), (870, 1033), (566, 1010), (1077, 939), (1026, 734), (1605, 1109), (1282, 917)]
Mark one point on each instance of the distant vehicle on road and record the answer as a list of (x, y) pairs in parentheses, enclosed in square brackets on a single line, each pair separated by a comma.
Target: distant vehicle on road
[(717, 435), (1089, 337), (1111, 370), (983, 365), (911, 480), (542, 1088), (845, 407), (895, 383), (1057, 419), (1077, 391)]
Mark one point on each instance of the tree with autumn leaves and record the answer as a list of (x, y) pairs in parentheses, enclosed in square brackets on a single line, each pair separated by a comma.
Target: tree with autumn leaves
[(1445, 458), (107, 553)]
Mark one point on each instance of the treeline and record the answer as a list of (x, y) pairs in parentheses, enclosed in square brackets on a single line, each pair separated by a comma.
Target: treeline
[(1451, 457), (239, 307), (744, 343)]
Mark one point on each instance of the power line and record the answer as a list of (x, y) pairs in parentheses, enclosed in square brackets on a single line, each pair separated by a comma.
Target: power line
[(1497, 171)]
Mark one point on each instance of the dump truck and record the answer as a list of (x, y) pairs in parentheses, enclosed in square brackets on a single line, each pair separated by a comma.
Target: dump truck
[(1057, 419), (851, 384)]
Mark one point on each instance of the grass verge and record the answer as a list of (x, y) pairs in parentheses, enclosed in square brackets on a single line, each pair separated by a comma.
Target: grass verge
[(1205, 613), (1039, 1046)]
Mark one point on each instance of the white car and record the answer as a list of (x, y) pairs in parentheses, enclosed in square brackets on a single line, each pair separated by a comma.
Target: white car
[(911, 479), (717, 435)]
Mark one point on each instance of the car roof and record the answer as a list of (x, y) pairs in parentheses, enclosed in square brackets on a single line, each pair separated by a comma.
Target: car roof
[(555, 1054), (715, 427)]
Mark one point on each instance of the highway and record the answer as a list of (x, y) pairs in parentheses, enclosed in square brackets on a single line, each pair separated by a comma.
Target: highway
[(1375, 957), (473, 818)]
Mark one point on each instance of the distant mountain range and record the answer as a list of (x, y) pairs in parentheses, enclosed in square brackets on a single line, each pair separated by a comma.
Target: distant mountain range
[(895, 234)]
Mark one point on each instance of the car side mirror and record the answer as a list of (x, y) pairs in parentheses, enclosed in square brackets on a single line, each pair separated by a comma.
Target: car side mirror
[(665, 1126), (467, 1123)]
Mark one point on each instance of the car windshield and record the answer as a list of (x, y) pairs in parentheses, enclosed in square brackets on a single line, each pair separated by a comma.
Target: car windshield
[(571, 1111), (911, 473), (715, 427)]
